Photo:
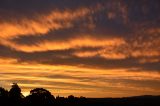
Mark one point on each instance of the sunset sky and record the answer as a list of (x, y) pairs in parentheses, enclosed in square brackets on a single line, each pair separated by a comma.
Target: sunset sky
[(91, 48)]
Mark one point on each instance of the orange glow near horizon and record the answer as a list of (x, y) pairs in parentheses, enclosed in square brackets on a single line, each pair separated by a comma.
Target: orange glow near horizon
[(72, 81)]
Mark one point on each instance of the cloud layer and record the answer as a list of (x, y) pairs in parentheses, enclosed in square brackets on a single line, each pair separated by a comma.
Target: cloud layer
[(118, 37)]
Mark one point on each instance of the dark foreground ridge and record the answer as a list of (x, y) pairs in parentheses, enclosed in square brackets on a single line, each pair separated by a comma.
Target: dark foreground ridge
[(42, 97)]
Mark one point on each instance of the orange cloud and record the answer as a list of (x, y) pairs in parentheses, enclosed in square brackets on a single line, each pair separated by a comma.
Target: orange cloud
[(76, 79), (149, 60), (61, 45), (107, 51), (42, 24), (7, 61)]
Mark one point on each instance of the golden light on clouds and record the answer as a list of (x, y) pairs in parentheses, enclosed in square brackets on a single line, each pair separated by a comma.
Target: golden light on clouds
[(7, 61), (85, 48), (42, 24), (71, 43), (75, 79)]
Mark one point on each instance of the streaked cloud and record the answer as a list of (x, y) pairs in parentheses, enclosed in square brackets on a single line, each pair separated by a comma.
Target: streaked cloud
[(74, 79), (42, 24), (68, 44), (81, 46)]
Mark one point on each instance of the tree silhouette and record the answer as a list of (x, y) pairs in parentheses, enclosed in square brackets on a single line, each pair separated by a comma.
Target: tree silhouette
[(3, 92), (15, 94), (3, 96), (15, 91), (40, 96)]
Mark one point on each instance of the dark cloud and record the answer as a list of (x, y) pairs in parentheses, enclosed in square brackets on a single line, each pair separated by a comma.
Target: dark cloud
[(38, 36), (143, 10), (66, 57), (17, 9), (128, 19), (7, 52)]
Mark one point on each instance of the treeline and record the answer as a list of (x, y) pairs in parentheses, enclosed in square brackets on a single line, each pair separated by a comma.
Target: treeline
[(42, 97), (37, 97)]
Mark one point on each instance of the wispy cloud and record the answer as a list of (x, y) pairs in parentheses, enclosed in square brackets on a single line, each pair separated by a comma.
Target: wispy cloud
[(100, 45)]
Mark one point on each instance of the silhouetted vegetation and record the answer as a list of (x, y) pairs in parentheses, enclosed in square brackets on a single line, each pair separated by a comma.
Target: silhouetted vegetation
[(42, 97)]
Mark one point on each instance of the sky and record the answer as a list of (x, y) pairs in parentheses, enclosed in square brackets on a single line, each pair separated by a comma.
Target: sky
[(91, 48)]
